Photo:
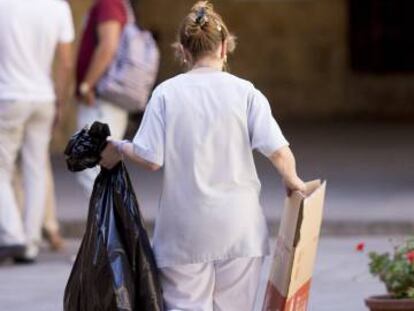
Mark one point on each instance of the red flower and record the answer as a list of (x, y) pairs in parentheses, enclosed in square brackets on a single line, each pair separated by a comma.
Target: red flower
[(410, 256), (360, 247)]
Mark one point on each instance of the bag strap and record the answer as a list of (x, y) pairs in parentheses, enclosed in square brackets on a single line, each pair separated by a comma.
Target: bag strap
[(130, 12)]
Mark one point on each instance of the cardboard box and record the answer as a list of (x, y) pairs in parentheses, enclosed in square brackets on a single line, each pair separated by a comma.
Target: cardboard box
[(294, 258)]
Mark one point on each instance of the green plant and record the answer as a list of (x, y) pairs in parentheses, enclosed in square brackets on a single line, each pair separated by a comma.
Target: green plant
[(396, 270)]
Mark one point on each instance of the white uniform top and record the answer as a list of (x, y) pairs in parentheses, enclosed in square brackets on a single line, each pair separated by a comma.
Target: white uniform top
[(201, 126), (29, 34)]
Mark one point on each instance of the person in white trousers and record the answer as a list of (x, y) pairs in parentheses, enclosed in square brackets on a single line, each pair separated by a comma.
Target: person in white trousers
[(99, 44), (30, 104), (51, 228), (210, 235)]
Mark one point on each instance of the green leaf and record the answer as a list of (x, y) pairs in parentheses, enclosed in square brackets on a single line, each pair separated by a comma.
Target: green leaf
[(395, 271)]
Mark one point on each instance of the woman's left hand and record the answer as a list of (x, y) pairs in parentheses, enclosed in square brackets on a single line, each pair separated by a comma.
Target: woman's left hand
[(110, 155)]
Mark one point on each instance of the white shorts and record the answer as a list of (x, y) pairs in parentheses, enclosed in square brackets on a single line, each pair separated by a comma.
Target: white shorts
[(225, 285)]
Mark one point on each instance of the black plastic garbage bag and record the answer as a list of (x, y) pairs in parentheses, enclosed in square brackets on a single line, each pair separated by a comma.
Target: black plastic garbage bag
[(115, 268), (84, 148)]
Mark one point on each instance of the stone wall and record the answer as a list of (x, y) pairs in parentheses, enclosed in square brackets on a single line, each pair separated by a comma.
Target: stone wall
[(294, 51)]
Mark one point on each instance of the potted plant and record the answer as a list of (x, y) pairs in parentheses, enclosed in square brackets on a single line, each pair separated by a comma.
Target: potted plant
[(396, 271)]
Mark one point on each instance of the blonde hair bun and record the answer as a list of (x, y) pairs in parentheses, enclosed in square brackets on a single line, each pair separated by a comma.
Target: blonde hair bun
[(202, 31)]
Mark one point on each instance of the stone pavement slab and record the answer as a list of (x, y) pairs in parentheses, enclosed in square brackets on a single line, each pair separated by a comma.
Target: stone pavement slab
[(341, 280), (37, 287)]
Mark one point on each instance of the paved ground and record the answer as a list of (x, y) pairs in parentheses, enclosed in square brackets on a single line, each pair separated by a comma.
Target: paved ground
[(369, 168), (341, 279)]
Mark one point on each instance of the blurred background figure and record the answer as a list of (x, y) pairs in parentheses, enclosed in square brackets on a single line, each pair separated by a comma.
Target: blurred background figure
[(51, 229), (30, 106), (98, 47)]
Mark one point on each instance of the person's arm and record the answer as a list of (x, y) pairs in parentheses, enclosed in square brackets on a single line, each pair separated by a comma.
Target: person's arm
[(267, 137), (63, 72), (147, 148), (115, 150), (109, 34), (284, 161)]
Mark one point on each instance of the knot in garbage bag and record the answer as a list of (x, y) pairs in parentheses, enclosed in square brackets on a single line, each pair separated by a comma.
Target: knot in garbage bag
[(84, 147)]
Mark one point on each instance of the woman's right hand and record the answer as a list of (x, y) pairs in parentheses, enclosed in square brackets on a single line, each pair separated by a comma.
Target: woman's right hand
[(87, 93), (294, 184), (89, 99)]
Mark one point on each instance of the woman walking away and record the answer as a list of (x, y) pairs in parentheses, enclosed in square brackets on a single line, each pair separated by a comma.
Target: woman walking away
[(201, 126)]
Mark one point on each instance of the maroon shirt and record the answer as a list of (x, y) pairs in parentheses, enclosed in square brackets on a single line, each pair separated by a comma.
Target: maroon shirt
[(102, 11)]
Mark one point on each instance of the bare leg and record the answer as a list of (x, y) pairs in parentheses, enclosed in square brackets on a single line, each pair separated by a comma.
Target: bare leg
[(51, 224)]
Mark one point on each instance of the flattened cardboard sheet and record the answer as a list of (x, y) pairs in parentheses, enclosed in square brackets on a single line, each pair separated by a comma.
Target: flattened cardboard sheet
[(296, 246)]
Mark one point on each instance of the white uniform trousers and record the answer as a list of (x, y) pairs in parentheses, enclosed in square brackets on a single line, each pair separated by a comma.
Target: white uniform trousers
[(225, 285), (105, 112), (24, 127)]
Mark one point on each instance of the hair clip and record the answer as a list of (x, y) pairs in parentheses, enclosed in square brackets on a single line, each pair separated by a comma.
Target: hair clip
[(201, 18)]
